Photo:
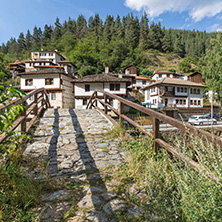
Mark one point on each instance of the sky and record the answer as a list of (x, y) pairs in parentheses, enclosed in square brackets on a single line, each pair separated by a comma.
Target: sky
[(18, 16)]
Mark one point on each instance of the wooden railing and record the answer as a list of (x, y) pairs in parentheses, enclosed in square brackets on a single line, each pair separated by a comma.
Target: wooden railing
[(26, 118), (157, 117)]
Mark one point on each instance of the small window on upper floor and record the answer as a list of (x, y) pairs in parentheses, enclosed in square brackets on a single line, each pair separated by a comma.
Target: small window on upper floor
[(160, 75), (144, 82), (185, 90), (87, 88), (178, 89), (29, 82), (114, 87), (49, 81)]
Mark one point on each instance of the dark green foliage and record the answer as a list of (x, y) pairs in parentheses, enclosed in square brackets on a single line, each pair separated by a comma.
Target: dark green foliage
[(116, 42), (185, 65), (212, 68), (36, 38), (179, 47), (4, 74), (28, 41)]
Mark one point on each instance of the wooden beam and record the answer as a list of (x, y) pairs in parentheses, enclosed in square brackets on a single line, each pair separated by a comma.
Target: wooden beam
[(136, 125), (156, 133), (121, 107), (173, 122)]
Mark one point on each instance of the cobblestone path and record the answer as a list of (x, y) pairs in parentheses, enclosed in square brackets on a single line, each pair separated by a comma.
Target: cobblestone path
[(72, 142)]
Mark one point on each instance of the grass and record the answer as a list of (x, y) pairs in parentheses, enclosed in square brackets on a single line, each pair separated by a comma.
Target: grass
[(17, 195), (173, 191)]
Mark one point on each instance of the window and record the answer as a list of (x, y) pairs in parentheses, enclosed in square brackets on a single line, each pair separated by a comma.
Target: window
[(181, 89), (114, 87), (177, 101), (191, 91), (191, 102), (181, 102), (87, 88), (198, 91), (199, 102), (194, 91), (185, 90), (53, 96), (184, 102), (29, 82), (49, 81), (144, 82), (84, 102), (152, 89), (160, 75), (195, 102), (178, 89), (31, 98)]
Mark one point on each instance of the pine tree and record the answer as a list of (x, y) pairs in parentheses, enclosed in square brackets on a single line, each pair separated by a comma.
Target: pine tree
[(28, 41), (21, 43), (144, 30), (46, 36), (36, 39), (179, 47), (81, 27), (108, 28), (118, 32), (166, 42), (56, 34)]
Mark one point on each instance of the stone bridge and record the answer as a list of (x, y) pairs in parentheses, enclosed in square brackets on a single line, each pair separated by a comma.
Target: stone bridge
[(73, 145)]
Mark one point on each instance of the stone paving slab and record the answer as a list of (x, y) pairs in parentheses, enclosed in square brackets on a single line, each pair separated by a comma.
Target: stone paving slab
[(72, 141)]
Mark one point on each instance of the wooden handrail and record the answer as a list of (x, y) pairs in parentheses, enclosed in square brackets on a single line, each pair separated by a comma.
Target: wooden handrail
[(156, 118), (167, 119), (33, 108)]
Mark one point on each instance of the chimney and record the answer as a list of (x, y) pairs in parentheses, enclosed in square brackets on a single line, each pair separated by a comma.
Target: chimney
[(106, 69)]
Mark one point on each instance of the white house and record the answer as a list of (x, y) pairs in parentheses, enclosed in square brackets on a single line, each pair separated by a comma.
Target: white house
[(84, 87), (56, 82), (48, 59), (163, 74), (49, 69), (174, 92)]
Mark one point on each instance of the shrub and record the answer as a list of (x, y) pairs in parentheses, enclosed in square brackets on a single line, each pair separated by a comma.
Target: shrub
[(173, 190)]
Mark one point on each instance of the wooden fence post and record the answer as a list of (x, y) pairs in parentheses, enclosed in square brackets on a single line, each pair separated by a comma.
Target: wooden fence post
[(43, 101), (96, 103), (105, 100), (23, 113), (156, 133), (35, 110), (121, 106)]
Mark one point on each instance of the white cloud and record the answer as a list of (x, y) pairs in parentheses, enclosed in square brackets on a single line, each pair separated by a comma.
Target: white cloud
[(214, 28), (197, 9)]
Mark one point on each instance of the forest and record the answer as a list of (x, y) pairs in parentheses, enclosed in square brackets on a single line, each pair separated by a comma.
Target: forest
[(116, 42)]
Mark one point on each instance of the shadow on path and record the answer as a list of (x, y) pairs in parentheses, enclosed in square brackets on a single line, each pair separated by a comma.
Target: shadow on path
[(88, 162), (52, 152)]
